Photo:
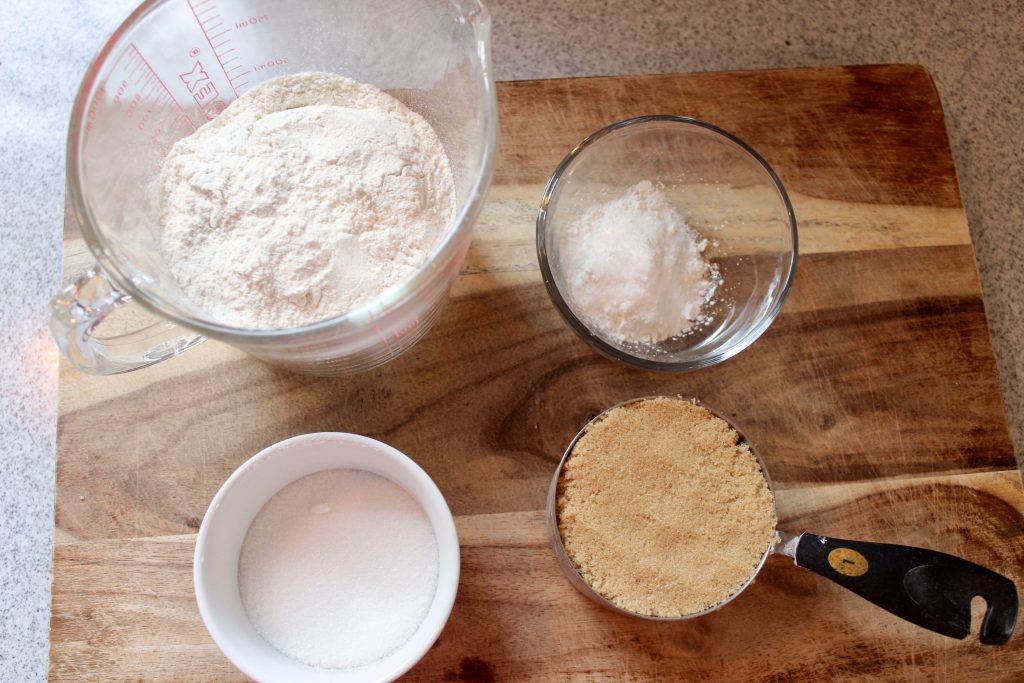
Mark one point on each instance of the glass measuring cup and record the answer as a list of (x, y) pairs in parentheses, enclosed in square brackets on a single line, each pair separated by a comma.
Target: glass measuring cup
[(175, 64), (925, 587)]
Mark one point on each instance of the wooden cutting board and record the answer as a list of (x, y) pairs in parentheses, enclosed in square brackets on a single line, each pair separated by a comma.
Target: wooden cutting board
[(874, 399)]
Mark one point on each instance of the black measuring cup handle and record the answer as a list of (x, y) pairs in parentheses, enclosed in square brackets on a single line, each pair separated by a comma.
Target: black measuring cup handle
[(925, 587)]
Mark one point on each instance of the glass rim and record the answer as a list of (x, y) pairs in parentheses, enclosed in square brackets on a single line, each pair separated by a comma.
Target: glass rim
[(351, 321), (582, 330)]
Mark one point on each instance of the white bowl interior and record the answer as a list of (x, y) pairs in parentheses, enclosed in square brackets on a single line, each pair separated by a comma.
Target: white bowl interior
[(215, 570)]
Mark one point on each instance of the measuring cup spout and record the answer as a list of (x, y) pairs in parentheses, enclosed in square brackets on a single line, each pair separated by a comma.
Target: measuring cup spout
[(472, 10)]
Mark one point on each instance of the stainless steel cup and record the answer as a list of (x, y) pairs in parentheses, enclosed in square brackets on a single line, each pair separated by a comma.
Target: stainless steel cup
[(925, 587)]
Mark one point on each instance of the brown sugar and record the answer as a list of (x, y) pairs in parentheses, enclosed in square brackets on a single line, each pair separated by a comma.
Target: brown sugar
[(663, 509)]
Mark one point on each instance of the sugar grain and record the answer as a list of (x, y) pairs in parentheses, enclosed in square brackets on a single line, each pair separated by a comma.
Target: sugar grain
[(338, 569)]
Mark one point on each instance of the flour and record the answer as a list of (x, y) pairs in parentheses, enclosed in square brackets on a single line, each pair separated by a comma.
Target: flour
[(307, 197), (338, 569), (634, 270)]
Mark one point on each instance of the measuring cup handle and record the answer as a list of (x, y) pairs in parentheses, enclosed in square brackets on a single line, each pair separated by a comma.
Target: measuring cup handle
[(80, 308), (925, 587)]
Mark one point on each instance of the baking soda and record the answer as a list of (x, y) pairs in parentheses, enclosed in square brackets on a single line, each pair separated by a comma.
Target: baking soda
[(338, 569), (634, 270)]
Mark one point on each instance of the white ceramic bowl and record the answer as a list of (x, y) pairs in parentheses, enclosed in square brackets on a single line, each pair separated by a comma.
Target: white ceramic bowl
[(215, 567)]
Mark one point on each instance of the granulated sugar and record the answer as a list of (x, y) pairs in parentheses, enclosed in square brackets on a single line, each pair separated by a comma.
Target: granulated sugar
[(338, 569), (634, 270)]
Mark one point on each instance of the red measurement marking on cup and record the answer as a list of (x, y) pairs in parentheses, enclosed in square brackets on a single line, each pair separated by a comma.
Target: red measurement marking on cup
[(203, 90), (270, 63), (383, 338), (401, 333), (218, 35), (134, 81), (252, 21)]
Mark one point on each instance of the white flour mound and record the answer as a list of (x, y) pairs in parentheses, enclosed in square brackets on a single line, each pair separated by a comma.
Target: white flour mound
[(634, 269), (308, 196)]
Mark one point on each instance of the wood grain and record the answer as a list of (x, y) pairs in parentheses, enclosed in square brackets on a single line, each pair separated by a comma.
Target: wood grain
[(517, 618), (874, 398), (886, 369), (850, 133)]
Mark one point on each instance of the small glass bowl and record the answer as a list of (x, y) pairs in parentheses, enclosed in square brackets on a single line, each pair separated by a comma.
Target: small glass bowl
[(722, 188)]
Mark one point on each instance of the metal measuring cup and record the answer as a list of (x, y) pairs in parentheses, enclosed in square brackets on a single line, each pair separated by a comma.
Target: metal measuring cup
[(925, 587)]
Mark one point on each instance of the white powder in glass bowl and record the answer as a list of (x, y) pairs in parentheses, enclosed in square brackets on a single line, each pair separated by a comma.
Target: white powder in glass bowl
[(634, 270)]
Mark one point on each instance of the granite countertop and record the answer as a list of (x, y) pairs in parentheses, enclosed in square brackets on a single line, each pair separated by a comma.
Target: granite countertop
[(973, 50)]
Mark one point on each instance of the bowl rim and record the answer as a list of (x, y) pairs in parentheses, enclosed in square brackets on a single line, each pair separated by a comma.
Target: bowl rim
[(445, 533), (580, 328)]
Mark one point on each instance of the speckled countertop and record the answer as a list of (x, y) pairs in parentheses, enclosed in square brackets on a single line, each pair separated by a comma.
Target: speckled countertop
[(973, 49)]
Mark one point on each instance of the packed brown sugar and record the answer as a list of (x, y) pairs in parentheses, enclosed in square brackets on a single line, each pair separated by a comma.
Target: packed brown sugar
[(663, 509)]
